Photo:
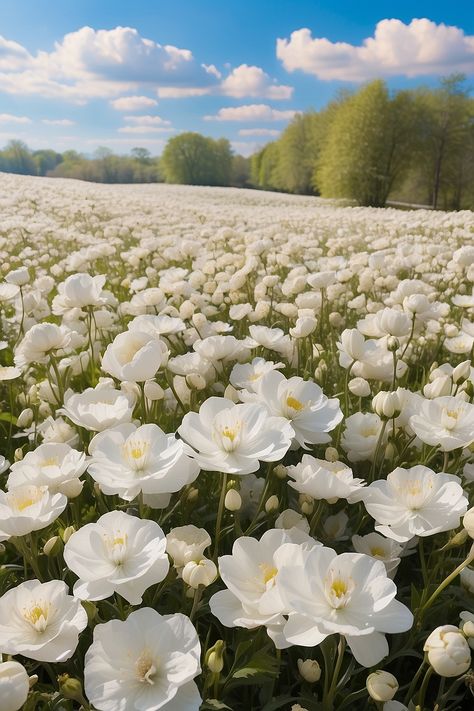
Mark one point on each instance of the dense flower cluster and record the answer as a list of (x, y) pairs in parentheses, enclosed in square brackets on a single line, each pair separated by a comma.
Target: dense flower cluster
[(237, 464)]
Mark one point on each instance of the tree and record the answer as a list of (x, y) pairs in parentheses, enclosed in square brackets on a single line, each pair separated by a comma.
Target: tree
[(368, 147), (46, 160), (192, 159), (17, 158)]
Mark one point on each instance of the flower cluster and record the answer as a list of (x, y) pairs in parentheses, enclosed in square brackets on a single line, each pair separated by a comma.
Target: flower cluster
[(237, 452)]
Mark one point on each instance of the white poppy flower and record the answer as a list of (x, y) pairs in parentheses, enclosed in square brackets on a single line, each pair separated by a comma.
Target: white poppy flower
[(41, 621), (54, 465), (446, 422), (325, 480), (127, 460), (311, 414), (448, 651), (233, 438), (28, 508), (134, 356), (98, 408), (79, 290), (349, 594), (42, 340), (148, 661), (415, 502), (120, 553), (187, 543)]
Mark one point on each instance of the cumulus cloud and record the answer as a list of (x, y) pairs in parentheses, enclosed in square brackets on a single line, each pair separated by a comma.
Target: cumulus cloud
[(58, 122), (133, 103), (273, 132), (11, 118), (251, 112), (147, 120), (248, 80), (146, 124), (145, 129), (419, 48)]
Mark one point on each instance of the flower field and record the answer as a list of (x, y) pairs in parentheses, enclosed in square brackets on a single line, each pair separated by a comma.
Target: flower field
[(237, 451)]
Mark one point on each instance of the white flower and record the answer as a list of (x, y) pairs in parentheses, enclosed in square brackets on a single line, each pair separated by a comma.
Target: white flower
[(324, 480), (380, 548), (187, 543), (98, 408), (9, 373), (54, 465), (120, 553), (446, 422), (221, 348), (134, 356), (349, 594), (233, 438), (252, 597), (199, 573), (448, 651), (415, 502), (20, 276), (41, 621), (14, 685), (311, 414), (360, 437), (147, 661), (127, 460), (41, 341), (247, 375), (79, 290), (28, 508)]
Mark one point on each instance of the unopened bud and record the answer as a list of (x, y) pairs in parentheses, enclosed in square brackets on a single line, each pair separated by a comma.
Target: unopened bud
[(331, 454), (215, 657), (309, 670), (306, 504), (53, 547), (280, 471), (153, 391), (202, 572), (386, 405), (193, 494), (381, 685), (71, 689), (233, 500), (67, 533), (359, 387), (393, 344), (272, 504), (461, 372), (18, 456), (231, 394)]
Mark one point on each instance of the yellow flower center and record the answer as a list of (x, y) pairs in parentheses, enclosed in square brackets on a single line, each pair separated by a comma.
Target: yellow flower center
[(269, 572), (294, 403), (339, 587), (51, 462), (37, 616), (230, 433), (146, 668), (376, 551)]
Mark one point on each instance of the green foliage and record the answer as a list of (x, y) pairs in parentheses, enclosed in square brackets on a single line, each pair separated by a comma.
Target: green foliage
[(192, 159)]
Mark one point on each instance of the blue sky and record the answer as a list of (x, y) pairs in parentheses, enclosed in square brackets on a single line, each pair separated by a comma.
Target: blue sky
[(79, 74)]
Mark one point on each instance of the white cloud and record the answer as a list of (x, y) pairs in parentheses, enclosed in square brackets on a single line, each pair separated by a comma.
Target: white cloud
[(147, 120), (11, 118), (273, 132), (251, 112), (133, 103), (58, 122), (145, 129), (248, 80), (420, 48), (176, 92)]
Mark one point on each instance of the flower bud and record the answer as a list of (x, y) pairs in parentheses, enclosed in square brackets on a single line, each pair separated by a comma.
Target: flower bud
[(53, 547), (309, 670), (359, 387), (193, 494), (203, 572), (306, 504), (331, 454), (215, 657), (393, 344), (448, 651), (272, 504), (468, 521), (233, 500), (71, 689), (467, 580), (153, 391), (386, 405), (461, 372), (231, 394), (25, 418), (280, 471), (14, 684), (67, 533), (381, 685)]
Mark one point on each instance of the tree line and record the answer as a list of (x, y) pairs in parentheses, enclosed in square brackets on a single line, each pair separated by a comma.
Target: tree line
[(369, 146), (372, 146)]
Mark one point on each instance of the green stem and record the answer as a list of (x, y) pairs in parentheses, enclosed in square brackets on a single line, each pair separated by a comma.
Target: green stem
[(220, 513)]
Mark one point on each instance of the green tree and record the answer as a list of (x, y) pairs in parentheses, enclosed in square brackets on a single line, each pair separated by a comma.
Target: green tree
[(193, 159), (17, 158), (368, 147)]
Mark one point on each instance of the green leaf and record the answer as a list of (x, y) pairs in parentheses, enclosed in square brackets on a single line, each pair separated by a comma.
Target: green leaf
[(214, 705)]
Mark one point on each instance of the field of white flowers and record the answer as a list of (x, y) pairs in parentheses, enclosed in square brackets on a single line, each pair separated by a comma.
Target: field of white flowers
[(237, 439)]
